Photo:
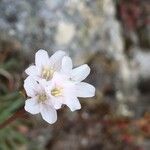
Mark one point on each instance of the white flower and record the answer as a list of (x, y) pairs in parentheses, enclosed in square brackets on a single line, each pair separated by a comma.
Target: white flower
[(67, 86), (53, 82), (39, 101), (45, 67)]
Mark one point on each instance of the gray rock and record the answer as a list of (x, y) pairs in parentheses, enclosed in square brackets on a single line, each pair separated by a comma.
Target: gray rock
[(80, 27)]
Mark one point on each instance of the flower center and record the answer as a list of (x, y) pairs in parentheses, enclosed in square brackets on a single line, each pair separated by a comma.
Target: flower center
[(56, 92), (47, 73), (42, 97)]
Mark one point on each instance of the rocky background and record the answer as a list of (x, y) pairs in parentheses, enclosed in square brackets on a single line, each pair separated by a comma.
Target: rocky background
[(113, 37)]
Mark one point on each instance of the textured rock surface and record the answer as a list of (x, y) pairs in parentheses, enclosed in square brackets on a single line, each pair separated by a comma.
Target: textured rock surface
[(89, 31), (79, 27)]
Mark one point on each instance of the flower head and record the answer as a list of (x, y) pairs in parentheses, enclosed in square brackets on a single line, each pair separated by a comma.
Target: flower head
[(66, 86), (45, 67), (52, 82), (39, 101)]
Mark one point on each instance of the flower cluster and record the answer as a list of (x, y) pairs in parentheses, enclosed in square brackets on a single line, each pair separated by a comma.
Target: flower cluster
[(52, 82)]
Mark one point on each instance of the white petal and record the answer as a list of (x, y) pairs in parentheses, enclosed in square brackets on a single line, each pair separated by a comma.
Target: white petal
[(66, 64), (32, 106), (41, 58), (31, 71), (48, 113), (73, 103), (30, 86), (57, 102), (57, 105), (80, 73), (56, 59), (85, 90)]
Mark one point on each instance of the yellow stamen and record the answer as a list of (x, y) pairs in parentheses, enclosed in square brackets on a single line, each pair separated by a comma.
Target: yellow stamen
[(42, 97), (47, 73), (56, 92)]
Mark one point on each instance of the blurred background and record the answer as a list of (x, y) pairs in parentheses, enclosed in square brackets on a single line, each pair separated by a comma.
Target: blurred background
[(113, 37)]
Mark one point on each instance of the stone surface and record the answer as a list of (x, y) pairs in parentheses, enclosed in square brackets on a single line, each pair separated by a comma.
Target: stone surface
[(80, 27), (90, 32)]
